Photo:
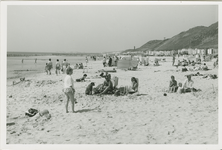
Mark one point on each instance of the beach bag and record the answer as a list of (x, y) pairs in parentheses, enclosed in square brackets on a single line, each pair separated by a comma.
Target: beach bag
[(31, 112)]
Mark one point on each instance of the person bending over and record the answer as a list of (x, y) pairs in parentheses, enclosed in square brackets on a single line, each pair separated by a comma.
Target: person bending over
[(107, 85)]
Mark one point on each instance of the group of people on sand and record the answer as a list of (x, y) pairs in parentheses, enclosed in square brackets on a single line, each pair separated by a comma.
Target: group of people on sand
[(186, 87), (61, 67), (112, 61), (107, 87)]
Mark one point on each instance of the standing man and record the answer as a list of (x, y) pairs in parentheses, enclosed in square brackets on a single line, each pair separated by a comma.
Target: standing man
[(110, 61), (49, 66), (173, 59)]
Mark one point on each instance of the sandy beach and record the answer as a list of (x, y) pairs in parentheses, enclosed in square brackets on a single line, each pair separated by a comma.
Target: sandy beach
[(150, 118)]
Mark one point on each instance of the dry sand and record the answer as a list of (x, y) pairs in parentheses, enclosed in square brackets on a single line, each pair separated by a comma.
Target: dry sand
[(146, 119)]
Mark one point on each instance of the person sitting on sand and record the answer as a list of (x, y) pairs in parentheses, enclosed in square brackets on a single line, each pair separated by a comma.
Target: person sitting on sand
[(180, 88), (82, 79), (49, 66), (69, 89), (57, 67), (81, 66), (204, 67), (188, 85), (173, 85), (107, 87), (156, 62), (89, 88), (134, 87)]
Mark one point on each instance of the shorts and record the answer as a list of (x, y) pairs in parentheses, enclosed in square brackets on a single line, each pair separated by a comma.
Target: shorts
[(68, 90)]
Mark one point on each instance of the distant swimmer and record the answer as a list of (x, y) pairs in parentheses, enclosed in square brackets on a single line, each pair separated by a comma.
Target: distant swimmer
[(35, 60), (22, 60)]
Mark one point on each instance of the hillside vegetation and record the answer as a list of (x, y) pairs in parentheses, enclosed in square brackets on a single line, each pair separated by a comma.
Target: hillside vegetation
[(197, 37)]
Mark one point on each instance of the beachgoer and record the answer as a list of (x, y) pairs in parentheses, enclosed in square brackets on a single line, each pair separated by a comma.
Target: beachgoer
[(50, 66), (204, 67), (82, 79), (180, 88), (35, 60), (86, 61), (89, 88), (104, 61), (188, 85), (110, 61), (46, 68), (57, 67), (64, 65), (173, 85), (173, 60), (22, 60), (134, 87), (107, 85), (69, 89), (176, 63)]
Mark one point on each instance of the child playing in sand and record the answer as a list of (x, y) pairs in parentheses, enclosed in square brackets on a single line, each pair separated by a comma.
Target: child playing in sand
[(173, 85), (69, 89)]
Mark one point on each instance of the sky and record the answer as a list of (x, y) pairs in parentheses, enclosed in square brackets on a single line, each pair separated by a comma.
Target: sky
[(99, 28)]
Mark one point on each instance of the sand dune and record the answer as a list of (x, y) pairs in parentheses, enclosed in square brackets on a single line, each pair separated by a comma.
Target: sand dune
[(147, 119)]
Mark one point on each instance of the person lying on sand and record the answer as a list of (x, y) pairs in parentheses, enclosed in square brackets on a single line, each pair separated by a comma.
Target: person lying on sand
[(107, 87), (173, 85), (82, 79), (69, 89), (134, 87), (89, 88)]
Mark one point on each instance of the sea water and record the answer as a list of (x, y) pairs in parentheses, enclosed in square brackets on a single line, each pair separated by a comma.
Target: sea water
[(18, 68)]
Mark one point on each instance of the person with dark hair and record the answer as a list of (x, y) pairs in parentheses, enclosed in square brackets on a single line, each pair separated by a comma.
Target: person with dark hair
[(110, 61), (107, 87), (64, 66), (82, 79), (57, 67), (173, 85), (134, 86), (49, 66), (104, 61), (89, 88), (188, 85)]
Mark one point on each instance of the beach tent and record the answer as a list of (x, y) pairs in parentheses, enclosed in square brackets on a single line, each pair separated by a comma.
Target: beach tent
[(127, 62)]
